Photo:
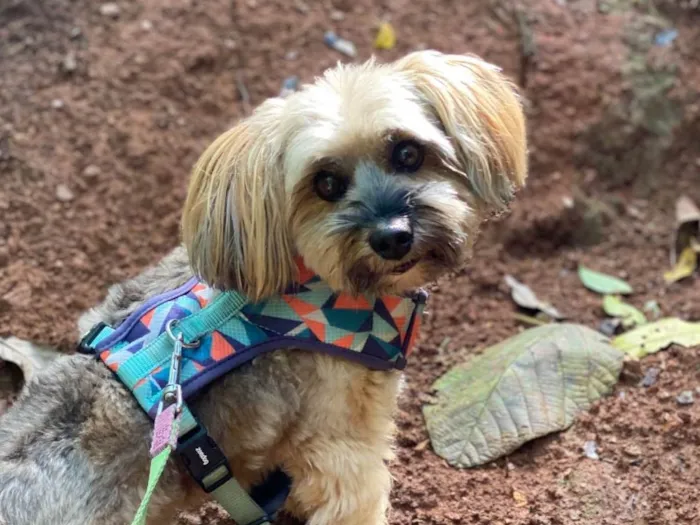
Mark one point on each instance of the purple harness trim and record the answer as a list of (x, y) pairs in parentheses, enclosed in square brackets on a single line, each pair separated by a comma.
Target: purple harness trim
[(136, 315)]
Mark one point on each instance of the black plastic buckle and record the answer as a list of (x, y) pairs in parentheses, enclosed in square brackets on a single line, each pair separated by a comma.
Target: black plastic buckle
[(84, 346), (202, 456)]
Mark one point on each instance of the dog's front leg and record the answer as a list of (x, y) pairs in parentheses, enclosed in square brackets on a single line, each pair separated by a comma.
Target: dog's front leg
[(340, 482)]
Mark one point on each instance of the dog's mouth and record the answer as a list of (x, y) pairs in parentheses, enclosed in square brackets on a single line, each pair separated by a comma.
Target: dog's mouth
[(431, 256), (404, 267)]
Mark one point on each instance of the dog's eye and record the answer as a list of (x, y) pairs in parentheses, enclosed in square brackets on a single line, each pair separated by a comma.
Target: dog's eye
[(407, 156), (330, 186)]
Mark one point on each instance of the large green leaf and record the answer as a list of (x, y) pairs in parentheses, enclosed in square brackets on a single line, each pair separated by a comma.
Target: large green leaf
[(651, 338), (520, 389), (602, 283)]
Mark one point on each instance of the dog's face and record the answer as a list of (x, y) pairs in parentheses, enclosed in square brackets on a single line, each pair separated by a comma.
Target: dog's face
[(378, 176)]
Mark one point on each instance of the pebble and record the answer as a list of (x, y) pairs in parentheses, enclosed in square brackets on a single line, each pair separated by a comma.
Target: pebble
[(91, 171), (75, 32), (292, 55), (650, 377), (590, 450), (57, 103), (110, 9), (685, 398), (663, 395), (64, 193), (70, 63), (289, 86), (146, 25), (633, 451), (610, 326), (340, 44), (337, 15), (230, 44), (301, 6)]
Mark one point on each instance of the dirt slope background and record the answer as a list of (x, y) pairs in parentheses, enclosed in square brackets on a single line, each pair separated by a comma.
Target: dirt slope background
[(103, 110)]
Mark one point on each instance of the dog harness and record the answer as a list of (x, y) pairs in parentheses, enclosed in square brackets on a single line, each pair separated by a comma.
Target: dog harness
[(177, 343)]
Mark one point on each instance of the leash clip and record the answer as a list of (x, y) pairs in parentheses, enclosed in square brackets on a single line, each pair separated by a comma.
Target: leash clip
[(172, 393)]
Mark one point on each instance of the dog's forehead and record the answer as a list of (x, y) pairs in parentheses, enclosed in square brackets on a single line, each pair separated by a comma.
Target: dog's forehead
[(352, 108)]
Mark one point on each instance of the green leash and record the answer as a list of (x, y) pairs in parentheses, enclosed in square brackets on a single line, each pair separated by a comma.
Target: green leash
[(160, 459), (166, 431)]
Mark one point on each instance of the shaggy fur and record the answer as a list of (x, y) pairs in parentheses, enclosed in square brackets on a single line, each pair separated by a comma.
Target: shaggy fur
[(74, 448)]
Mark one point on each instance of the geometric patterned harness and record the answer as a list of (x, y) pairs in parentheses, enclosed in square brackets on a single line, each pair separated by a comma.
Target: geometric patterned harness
[(378, 332), (218, 332)]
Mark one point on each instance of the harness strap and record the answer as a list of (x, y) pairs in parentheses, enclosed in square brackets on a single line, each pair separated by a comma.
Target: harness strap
[(216, 480), (206, 320)]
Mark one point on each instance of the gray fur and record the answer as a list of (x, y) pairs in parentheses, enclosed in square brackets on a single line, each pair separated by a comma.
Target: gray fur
[(74, 447)]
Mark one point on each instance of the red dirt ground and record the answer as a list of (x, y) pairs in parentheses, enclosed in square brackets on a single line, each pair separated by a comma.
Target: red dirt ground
[(95, 154)]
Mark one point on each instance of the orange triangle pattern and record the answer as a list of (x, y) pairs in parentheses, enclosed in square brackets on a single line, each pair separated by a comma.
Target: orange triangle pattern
[(345, 341), (146, 319), (349, 302), (300, 307), (391, 302), (220, 347), (317, 328), (305, 274)]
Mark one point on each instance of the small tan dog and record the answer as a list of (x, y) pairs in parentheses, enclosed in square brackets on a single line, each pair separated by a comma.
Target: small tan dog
[(378, 176)]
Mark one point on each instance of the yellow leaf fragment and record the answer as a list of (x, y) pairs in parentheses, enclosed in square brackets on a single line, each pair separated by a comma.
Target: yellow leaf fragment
[(685, 266), (386, 37)]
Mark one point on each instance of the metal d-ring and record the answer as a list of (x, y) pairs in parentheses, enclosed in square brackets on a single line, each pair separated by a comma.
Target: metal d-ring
[(172, 393), (178, 338)]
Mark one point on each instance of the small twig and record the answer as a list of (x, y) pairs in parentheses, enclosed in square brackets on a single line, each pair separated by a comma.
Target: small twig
[(527, 319), (243, 92), (528, 47)]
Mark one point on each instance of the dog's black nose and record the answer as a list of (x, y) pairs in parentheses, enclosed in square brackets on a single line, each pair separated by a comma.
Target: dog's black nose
[(392, 239)]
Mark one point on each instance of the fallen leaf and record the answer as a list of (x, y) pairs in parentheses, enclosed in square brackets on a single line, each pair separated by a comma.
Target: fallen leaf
[(685, 266), (652, 337), (616, 307), (386, 37), (524, 297), (602, 283), (687, 227), (29, 357), (520, 389)]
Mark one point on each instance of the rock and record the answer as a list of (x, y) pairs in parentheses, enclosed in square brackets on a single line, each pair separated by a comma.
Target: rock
[(292, 55), (663, 395), (146, 25), (57, 103), (70, 63), (590, 450), (632, 451), (685, 398), (337, 15), (64, 193), (110, 9), (76, 32), (610, 327), (301, 6), (650, 377), (91, 171)]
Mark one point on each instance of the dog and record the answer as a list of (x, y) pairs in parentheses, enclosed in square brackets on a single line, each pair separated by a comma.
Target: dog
[(378, 176)]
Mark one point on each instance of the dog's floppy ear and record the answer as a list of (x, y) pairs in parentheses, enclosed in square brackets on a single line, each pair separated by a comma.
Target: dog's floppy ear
[(480, 111), (234, 221)]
